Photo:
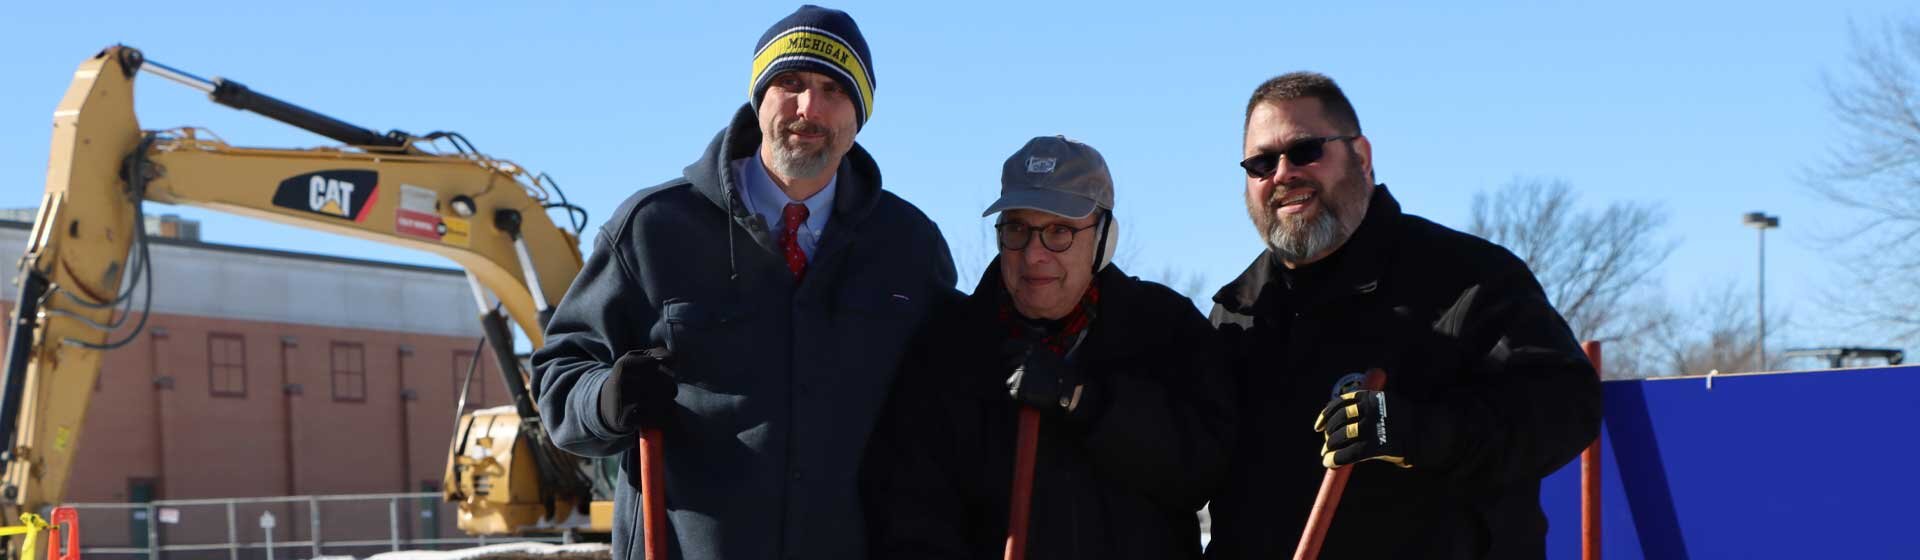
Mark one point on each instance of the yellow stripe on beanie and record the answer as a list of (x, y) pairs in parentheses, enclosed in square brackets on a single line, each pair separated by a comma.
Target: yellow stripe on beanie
[(818, 47)]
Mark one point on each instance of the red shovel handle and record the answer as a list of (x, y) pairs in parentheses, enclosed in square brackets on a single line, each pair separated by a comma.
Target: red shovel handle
[(1331, 487), (653, 495), (1022, 503)]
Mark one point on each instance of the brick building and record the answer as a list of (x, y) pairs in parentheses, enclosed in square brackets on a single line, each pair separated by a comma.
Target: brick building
[(274, 373)]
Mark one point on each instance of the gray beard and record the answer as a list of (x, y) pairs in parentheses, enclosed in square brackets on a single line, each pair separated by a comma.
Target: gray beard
[(797, 163), (1297, 244)]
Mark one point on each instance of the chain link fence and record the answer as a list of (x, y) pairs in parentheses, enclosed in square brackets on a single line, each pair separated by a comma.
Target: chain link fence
[(277, 528)]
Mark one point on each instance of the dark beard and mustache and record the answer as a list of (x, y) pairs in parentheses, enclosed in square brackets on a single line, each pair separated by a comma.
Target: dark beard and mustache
[(791, 160), (1301, 238)]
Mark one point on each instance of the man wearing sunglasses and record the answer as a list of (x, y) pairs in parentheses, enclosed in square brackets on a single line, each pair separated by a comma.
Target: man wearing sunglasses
[(1136, 413), (1486, 390)]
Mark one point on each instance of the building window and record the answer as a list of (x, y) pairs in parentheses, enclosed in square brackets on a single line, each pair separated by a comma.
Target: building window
[(349, 372), (477, 390), (226, 365)]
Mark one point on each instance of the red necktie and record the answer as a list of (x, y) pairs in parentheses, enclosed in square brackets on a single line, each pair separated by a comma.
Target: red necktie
[(794, 215)]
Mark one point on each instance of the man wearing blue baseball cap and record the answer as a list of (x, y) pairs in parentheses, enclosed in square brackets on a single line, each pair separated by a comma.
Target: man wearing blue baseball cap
[(753, 311), (1134, 404)]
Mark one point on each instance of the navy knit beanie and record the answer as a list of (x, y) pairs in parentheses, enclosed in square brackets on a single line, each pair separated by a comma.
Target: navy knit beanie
[(821, 40)]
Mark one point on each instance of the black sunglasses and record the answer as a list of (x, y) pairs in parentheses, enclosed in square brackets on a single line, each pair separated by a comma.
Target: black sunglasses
[(1302, 152)]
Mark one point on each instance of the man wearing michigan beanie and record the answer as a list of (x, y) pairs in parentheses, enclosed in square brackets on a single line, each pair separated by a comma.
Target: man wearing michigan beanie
[(753, 311)]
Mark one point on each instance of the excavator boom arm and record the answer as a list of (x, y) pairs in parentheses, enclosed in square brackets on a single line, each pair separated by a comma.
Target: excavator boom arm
[(88, 240)]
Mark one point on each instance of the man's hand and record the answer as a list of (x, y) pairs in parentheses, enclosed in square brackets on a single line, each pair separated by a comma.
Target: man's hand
[(640, 391), (1046, 381), (1375, 425)]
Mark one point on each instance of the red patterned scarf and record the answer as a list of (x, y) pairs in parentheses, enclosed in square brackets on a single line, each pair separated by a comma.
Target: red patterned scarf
[(1071, 326)]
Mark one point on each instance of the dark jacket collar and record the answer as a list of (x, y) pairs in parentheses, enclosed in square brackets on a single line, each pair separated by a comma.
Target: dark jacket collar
[(1117, 292), (1359, 271), (858, 190)]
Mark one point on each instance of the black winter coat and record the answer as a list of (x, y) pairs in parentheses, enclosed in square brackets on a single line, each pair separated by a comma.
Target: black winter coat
[(1125, 483), (779, 383), (1456, 322)]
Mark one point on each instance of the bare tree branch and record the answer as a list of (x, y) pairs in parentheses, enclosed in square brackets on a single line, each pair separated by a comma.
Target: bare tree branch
[(1875, 173), (1190, 283), (1715, 332), (1591, 263)]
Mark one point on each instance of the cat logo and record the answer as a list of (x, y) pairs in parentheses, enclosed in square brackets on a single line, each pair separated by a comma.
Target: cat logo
[(338, 193), (329, 196)]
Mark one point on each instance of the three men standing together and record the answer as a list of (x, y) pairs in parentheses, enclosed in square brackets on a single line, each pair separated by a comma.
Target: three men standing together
[(823, 392)]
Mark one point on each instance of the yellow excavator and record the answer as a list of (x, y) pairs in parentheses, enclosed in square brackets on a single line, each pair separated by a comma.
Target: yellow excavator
[(87, 256)]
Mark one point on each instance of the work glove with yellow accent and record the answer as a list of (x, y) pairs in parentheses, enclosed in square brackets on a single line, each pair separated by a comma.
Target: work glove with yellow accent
[(1381, 426)]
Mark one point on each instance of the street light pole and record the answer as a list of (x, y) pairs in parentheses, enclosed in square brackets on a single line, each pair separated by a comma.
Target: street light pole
[(1761, 221)]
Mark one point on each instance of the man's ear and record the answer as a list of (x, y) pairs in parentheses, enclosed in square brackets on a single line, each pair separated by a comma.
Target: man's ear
[(1363, 149)]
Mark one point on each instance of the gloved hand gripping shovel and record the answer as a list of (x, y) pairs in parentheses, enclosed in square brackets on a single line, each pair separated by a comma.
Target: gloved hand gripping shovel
[(1331, 487)]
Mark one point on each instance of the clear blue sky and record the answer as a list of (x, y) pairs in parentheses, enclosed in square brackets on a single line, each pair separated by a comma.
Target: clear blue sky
[(1709, 110)]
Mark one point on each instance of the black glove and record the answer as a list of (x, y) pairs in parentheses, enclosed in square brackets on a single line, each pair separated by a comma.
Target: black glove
[(1377, 425), (640, 391), (1047, 382)]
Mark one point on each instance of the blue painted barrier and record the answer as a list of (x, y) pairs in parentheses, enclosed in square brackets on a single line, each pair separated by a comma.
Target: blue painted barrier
[(1816, 464)]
